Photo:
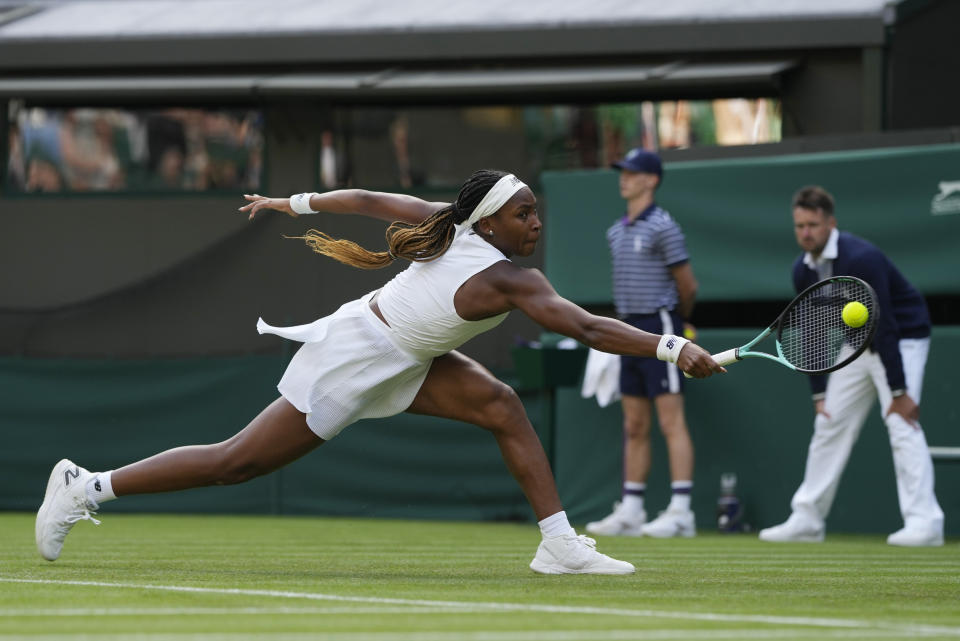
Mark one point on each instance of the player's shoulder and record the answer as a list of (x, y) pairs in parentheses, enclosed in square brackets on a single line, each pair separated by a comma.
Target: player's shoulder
[(506, 273), (508, 279)]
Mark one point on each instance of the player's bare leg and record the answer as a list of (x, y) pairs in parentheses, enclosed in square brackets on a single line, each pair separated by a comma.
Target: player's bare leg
[(459, 388), (277, 436)]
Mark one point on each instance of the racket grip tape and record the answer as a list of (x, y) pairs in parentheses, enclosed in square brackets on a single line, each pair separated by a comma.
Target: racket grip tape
[(724, 358), (727, 357)]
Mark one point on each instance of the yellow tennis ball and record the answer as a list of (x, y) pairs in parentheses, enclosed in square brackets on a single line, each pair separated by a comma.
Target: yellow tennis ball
[(855, 314)]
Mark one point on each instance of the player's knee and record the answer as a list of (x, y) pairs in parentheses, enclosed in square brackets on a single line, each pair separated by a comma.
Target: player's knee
[(503, 408)]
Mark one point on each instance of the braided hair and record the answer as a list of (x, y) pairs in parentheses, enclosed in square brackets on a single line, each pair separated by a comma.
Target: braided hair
[(423, 242)]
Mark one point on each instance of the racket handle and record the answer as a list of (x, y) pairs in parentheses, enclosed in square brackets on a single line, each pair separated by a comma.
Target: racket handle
[(727, 357), (724, 358)]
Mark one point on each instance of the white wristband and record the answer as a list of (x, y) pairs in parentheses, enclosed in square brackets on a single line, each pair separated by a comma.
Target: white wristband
[(300, 203), (669, 347)]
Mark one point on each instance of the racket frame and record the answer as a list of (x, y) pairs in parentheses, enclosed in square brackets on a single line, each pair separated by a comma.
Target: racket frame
[(739, 353)]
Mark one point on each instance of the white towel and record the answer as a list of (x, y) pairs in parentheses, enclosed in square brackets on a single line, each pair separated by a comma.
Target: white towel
[(602, 377)]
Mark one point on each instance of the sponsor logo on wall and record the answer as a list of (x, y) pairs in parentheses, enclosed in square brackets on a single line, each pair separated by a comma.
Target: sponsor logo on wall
[(948, 200)]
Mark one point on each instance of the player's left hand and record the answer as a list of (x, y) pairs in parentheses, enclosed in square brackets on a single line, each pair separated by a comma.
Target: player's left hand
[(258, 202), (907, 408)]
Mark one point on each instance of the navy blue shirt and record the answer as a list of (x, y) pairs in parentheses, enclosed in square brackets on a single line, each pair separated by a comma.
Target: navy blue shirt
[(903, 311)]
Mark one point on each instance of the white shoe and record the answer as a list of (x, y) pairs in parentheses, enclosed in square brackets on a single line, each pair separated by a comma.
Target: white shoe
[(619, 523), (572, 554), (64, 504), (672, 523), (917, 537), (796, 529)]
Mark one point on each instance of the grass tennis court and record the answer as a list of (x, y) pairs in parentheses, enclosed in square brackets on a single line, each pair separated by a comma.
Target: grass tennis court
[(197, 577)]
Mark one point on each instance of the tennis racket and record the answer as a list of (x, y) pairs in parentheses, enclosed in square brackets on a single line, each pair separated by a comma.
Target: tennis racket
[(811, 336)]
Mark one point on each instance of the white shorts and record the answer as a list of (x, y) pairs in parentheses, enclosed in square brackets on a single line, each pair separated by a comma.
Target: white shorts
[(348, 369)]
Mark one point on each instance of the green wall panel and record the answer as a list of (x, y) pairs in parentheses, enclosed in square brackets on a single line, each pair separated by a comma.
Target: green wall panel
[(756, 421), (106, 413), (736, 217)]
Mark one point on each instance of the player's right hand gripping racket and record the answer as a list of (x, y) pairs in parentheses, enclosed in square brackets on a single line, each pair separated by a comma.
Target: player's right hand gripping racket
[(811, 335)]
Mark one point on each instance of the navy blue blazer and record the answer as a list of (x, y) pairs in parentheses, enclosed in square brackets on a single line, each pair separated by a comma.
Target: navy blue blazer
[(903, 310)]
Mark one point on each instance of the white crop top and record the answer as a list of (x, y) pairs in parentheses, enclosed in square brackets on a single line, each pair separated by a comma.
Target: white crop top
[(418, 302)]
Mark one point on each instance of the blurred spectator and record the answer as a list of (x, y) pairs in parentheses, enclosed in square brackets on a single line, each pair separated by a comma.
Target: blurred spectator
[(86, 144), (585, 136), (43, 175), (328, 161), (619, 126), (40, 135), (166, 151), (113, 149), (16, 161), (400, 138)]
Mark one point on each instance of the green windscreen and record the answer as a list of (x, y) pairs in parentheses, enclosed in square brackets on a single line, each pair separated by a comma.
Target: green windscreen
[(736, 217)]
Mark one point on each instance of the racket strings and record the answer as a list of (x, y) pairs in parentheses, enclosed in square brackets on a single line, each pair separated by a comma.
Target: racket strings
[(813, 335)]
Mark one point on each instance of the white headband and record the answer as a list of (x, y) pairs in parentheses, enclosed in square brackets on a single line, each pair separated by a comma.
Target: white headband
[(498, 195)]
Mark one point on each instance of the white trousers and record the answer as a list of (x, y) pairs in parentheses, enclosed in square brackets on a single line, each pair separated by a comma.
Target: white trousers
[(850, 393)]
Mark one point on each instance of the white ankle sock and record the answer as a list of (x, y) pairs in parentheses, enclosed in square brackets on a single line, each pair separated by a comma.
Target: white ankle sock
[(100, 488), (632, 501), (555, 525), (680, 501)]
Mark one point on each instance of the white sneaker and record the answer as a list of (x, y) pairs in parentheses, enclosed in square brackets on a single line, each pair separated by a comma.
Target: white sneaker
[(917, 537), (671, 523), (572, 554), (796, 529), (619, 523), (64, 504)]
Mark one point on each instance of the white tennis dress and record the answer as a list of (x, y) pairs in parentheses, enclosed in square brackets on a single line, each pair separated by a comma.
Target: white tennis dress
[(353, 366)]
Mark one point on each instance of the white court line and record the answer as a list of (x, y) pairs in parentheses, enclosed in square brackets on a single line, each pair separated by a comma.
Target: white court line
[(498, 635), (124, 612), (481, 606), (556, 635)]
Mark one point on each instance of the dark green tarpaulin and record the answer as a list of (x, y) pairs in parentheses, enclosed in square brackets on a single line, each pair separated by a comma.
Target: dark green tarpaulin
[(754, 421), (736, 216)]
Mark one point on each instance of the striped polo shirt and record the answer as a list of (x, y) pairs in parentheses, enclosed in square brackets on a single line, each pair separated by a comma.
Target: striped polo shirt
[(643, 251)]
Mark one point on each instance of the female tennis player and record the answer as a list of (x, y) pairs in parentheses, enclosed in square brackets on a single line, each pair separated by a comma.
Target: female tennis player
[(393, 350)]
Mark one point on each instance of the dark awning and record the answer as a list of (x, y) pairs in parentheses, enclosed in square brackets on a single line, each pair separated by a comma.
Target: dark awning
[(482, 84)]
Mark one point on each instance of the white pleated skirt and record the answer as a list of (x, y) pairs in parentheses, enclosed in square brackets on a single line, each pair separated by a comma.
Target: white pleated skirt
[(348, 369)]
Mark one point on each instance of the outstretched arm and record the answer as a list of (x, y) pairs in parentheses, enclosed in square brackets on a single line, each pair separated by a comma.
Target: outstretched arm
[(506, 286), (376, 204)]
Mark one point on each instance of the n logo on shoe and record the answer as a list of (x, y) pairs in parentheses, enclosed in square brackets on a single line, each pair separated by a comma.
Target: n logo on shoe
[(75, 473)]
